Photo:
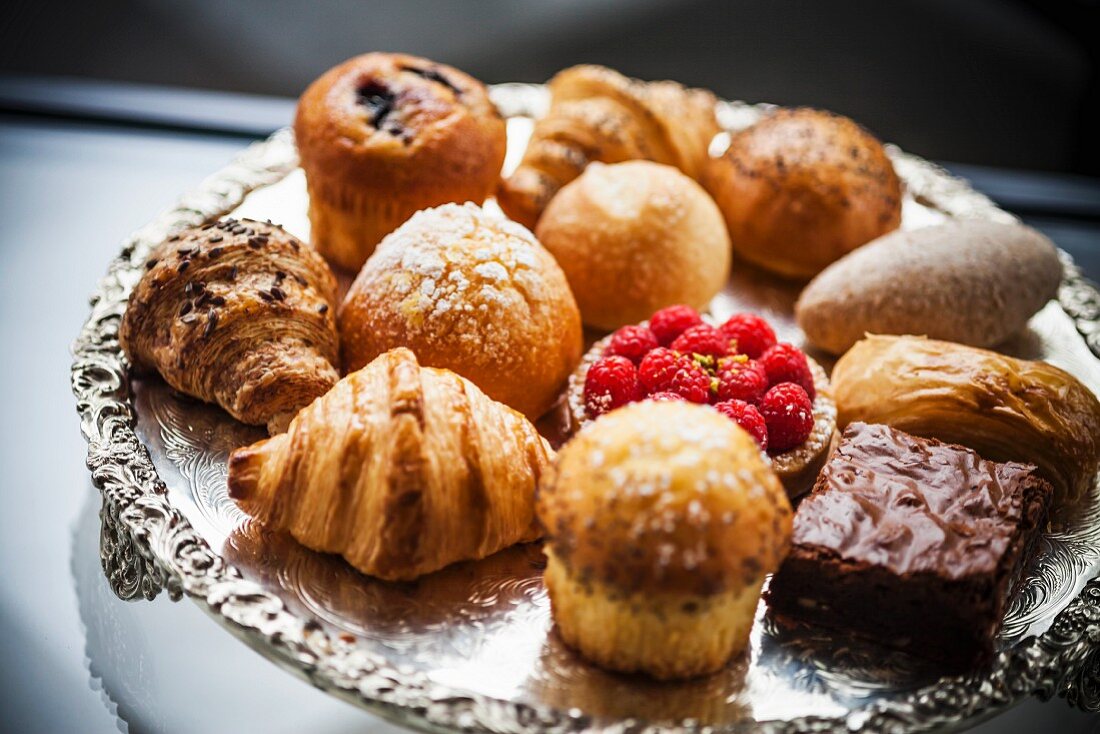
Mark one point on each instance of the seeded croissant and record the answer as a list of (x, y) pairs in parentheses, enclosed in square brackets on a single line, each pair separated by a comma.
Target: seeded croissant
[(237, 313), (1006, 409), (597, 114), (401, 469)]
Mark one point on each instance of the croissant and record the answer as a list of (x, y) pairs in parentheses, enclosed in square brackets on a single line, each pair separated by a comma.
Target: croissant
[(401, 469), (238, 313), (1006, 409), (597, 114)]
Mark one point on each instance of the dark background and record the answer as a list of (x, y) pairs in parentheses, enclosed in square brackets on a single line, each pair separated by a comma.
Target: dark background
[(1009, 83)]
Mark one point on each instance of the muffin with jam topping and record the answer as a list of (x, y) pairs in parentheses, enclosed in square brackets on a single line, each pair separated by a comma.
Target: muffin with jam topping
[(382, 136)]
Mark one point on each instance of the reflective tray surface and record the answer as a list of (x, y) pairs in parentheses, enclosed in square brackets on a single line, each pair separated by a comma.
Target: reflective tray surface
[(473, 646)]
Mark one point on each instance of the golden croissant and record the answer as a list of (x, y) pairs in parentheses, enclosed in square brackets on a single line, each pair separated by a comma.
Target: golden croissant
[(238, 313), (1006, 409), (597, 114), (401, 469)]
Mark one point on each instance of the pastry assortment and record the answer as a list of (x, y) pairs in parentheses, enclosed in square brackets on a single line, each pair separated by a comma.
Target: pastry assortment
[(928, 536), (383, 136), (237, 313), (969, 281), (633, 238), (662, 520), (683, 439), (802, 188), (401, 469)]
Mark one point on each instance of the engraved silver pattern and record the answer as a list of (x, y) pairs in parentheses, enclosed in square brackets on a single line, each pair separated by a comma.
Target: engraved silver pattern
[(410, 652)]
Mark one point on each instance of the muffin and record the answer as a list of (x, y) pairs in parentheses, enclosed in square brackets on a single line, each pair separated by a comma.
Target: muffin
[(635, 237), (471, 292), (801, 188), (662, 521), (382, 136)]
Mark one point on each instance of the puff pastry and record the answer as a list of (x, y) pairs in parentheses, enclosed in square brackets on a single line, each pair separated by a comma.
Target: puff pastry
[(597, 114), (238, 313), (401, 469), (1006, 409)]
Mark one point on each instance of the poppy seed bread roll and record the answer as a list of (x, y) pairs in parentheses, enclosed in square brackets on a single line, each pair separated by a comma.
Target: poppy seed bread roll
[(802, 188), (973, 282)]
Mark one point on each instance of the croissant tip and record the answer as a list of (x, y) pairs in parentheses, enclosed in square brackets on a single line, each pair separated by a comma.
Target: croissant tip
[(244, 472)]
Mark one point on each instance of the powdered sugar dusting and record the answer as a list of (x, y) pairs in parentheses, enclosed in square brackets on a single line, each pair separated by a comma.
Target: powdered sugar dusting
[(492, 271), (459, 271)]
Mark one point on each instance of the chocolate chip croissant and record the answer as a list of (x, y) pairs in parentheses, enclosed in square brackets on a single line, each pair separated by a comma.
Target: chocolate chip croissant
[(1006, 409), (401, 469), (237, 313), (597, 114)]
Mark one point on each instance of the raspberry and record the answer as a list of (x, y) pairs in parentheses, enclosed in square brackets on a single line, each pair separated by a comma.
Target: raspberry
[(657, 368), (669, 323), (702, 339), (612, 382), (748, 417), (632, 342), (752, 333), (740, 378), (789, 415), (666, 397), (786, 363), (691, 382)]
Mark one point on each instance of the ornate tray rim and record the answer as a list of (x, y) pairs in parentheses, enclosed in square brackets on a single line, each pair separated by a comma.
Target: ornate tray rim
[(147, 544)]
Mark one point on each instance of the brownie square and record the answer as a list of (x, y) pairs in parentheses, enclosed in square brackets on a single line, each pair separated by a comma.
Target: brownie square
[(912, 543)]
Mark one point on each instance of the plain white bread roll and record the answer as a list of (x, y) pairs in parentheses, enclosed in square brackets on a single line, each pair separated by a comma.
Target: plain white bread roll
[(633, 238)]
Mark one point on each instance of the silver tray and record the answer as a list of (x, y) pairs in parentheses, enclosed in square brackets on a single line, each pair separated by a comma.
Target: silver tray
[(472, 647)]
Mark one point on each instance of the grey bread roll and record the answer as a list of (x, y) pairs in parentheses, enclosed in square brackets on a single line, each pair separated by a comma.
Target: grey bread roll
[(973, 282)]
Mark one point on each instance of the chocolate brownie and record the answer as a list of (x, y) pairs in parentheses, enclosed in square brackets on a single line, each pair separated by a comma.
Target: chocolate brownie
[(913, 543)]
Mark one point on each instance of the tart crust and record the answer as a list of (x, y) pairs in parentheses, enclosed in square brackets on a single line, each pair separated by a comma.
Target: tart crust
[(796, 468)]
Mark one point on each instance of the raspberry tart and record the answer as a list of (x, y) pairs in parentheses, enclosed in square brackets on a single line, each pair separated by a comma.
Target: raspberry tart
[(771, 389)]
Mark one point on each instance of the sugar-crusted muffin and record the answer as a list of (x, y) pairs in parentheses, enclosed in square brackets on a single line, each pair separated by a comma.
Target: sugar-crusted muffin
[(472, 292), (384, 135), (662, 520), (801, 188), (635, 237)]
